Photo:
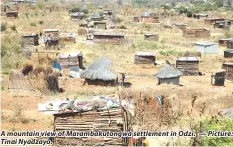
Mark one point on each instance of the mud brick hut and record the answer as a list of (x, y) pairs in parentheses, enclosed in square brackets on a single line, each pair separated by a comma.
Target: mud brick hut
[(181, 26), (230, 44), (72, 59), (77, 16), (108, 12), (13, 14), (198, 16), (136, 19), (223, 24), (100, 25), (150, 18), (108, 37), (169, 75), (188, 65), (196, 33), (152, 37), (218, 78), (98, 73), (144, 58), (206, 47), (212, 20), (228, 67), (30, 39), (224, 42), (228, 53), (107, 120)]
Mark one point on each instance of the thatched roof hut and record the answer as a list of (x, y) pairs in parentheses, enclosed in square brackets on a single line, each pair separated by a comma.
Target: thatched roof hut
[(169, 75), (98, 73)]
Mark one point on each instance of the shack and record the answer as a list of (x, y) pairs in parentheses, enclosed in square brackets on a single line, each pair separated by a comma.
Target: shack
[(218, 78), (99, 117), (70, 59), (223, 24), (198, 16), (228, 67), (54, 38), (196, 33), (108, 37), (83, 24), (169, 75), (188, 65), (136, 19), (13, 14), (30, 39), (77, 16), (230, 44), (108, 12), (181, 26), (96, 17), (100, 25), (152, 37), (224, 42), (144, 58), (206, 47), (150, 18), (52, 32), (98, 73), (228, 53), (212, 20)]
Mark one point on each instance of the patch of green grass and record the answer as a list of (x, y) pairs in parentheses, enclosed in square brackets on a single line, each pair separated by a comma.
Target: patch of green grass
[(171, 52)]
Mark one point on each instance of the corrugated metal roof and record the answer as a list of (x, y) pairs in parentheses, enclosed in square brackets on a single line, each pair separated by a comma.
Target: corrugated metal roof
[(229, 51), (188, 59), (227, 63), (51, 30), (203, 43), (109, 33), (28, 35), (145, 54), (226, 39)]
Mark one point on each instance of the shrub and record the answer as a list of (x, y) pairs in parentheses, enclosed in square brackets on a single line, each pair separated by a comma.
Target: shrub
[(85, 11), (3, 27), (33, 24), (13, 28), (189, 14), (41, 22)]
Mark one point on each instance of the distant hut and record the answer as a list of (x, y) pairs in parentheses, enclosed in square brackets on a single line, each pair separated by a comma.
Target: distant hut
[(108, 12), (136, 19), (144, 58), (181, 26), (70, 59), (230, 44), (188, 65), (228, 53), (196, 33), (77, 16), (228, 67), (98, 73), (152, 37), (83, 24), (218, 78), (54, 35), (212, 20), (100, 25), (96, 17), (13, 14), (169, 75), (30, 39), (150, 18), (223, 24), (108, 37), (224, 42), (206, 47), (198, 16)]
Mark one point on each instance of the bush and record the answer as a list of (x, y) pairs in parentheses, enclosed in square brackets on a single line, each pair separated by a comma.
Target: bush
[(33, 24), (85, 11), (3, 27), (13, 28), (41, 22), (171, 52), (189, 14)]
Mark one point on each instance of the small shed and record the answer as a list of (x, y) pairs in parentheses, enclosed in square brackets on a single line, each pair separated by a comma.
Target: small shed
[(55, 39), (100, 25), (144, 58), (110, 120), (196, 33), (188, 65), (223, 24), (83, 24), (71, 59), (228, 67), (198, 16), (30, 39), (98, 73), (13, 14), (230, 44), (108, 37), (96, 17), (218, 78), (169, 75), (136, 19), (206, 47), (108, 12), (224, 42), (52, 32), (152, 37), (148, 17), (89, 36), (181, 26), (77, 16), (213, 20), (228, 53)]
